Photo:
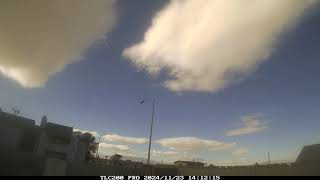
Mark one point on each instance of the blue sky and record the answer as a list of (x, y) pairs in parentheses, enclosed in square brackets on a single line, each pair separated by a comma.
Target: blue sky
[(274, 107)]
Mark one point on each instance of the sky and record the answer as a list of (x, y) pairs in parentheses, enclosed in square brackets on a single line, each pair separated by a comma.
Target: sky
[(231, 80)]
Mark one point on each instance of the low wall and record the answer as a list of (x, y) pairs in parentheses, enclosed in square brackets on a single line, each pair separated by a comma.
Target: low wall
[(273, 170), (19, 164), (97, 170)]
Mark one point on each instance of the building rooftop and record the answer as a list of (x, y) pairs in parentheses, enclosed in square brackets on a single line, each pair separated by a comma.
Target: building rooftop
[(12, 120), (310, 153), (58, 130)]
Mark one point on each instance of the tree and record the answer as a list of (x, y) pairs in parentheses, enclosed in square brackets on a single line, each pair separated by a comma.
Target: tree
[(115, 159), (88, 139)]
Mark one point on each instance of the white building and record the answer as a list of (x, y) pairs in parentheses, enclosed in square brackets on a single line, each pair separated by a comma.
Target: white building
[(55, 141), (57, 145)]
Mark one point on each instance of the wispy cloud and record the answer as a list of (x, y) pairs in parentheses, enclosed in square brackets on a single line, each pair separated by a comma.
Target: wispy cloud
[(39, 38), (205, 45), (165, 153), (233, 162), (171, 156), (111, 149), (193, 144), (124, 139), (251, 124), (114, 147), (240, 152), (173, 149)]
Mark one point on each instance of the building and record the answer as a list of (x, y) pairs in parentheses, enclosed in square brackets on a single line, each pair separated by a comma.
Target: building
[(18, 141), (189, 164), (55, 141), (53, 146), (17, 134), (309, 154)]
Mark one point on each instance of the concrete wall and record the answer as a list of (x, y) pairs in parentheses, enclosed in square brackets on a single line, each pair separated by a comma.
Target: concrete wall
[(75, 151), (10, 138), (19, 164), (99, 170), (78, 153), (55, 167), (276, 170)]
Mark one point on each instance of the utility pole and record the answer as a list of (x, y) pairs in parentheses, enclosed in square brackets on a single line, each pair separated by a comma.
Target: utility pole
[(269, 158), (97, 154), (151, 128)]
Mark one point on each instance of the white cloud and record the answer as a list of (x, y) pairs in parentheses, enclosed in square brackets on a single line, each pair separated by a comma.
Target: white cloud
[(113, 147), (165, 153), (240, 152), (205, 45), (193, 143), (170, 156), (124, 139), (38, 38), (233, 162), (94, 133), (252, 124)]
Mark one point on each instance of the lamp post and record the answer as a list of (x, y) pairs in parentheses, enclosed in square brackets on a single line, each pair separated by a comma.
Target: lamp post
[(151, 127), (97, 153)]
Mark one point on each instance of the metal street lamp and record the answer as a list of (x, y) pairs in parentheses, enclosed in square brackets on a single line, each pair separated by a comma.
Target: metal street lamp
[(152, 118), (97, 153)]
